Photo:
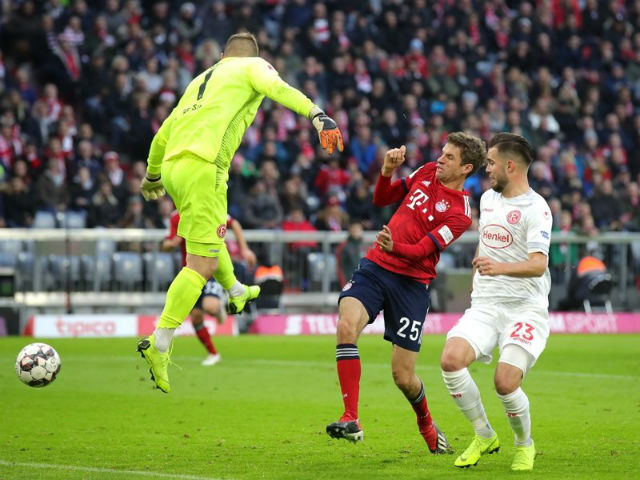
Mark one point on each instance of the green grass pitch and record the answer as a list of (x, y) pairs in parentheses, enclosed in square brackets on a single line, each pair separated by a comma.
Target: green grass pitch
[(261, 413)]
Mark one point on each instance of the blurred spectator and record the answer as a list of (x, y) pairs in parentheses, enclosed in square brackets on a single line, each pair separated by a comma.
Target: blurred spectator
[(19, 203), (331, 178), (104, 210), (606, 207), (297, 252), (85, 158), (262, 208), (332, 217), (82, 188), (349, 253), (50, 189), (134, 216), (360, 208)]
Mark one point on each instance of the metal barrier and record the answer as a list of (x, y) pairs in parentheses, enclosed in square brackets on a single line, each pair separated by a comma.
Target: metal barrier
[(61, 268)]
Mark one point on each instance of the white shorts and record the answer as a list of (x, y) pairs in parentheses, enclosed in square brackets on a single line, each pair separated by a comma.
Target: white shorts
[(489, 325)]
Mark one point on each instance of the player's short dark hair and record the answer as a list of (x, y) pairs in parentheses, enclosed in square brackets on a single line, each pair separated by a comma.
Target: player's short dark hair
[(244, 43), (472, 149), (513, 144)]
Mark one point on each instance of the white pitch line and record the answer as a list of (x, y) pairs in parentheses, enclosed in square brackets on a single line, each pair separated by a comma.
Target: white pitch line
[(78, 468)]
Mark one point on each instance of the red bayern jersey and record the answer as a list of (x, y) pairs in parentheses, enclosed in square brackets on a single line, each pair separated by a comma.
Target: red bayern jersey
[(174, 219), (428, 208)]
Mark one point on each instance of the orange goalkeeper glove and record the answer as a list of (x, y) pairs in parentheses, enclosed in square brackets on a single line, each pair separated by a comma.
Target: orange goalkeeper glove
[(328, 131)]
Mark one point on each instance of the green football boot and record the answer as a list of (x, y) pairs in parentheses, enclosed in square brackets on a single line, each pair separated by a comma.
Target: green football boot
[(238, 304), (523, 459), (479, 446), (158, 362)]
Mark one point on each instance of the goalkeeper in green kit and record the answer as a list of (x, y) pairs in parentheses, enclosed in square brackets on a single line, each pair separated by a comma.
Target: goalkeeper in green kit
[(190, 157)]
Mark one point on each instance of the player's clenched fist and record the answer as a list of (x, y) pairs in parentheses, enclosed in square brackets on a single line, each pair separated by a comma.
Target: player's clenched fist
[(392, 160), (384, 239)]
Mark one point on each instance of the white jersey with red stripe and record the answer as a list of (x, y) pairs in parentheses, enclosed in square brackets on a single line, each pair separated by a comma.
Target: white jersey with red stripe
[(510, 229)]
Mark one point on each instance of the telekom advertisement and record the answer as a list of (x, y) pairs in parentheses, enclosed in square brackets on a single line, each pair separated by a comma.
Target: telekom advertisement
[(439, 323), (105, 325)]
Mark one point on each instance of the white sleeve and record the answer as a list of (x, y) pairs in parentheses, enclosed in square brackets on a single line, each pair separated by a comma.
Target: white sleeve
[(539, 223)]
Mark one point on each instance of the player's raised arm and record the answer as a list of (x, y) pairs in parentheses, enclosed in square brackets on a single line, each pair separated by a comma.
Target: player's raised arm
[(386, 192), (265, 79), (247, 254)]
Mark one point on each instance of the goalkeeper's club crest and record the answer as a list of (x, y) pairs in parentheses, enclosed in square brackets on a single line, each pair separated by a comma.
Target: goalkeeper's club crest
[(514, 216), (222, 231)]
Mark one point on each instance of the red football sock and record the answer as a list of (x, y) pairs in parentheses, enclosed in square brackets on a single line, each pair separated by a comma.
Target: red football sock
[(349, 369), (205, 338), (419, 405)]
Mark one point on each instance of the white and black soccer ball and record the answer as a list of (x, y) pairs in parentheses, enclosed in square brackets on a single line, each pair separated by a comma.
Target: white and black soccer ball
[(38, 364)]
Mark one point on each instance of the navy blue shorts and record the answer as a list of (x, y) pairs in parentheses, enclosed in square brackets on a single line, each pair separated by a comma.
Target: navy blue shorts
[(405, 302), (210, 289)]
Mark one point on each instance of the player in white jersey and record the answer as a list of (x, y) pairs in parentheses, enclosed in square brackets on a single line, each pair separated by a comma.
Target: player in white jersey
[(509, 301)]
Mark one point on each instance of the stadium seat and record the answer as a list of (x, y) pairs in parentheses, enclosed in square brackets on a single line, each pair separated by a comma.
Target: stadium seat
[(318, 264), (24, 271), (97, 271), (8, 259), (177, 261), (127, 270), (44, 219), (75, 219), (159, 270), (105, 246), (13, 247), (62, 269)]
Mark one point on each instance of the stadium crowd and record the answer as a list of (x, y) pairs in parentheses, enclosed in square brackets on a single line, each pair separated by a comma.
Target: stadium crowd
[(85, 85)]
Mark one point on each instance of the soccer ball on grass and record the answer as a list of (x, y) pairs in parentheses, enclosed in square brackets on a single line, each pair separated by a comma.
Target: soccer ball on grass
[(38, 364)]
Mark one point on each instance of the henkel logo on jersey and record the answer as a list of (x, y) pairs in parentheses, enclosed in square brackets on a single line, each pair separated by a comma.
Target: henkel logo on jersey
[(496, 236)]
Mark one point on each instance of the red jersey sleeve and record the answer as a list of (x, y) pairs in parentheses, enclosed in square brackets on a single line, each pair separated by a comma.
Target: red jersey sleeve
[(454, 225), (387, 193)]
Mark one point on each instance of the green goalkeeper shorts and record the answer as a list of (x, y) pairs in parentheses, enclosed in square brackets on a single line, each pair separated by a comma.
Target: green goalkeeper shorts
[(199, 190)]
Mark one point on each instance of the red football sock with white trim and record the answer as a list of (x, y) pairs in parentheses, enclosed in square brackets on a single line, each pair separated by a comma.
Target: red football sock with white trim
[(349, 370)]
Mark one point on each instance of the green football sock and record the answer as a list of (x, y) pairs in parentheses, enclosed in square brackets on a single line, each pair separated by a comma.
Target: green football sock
[(224, 274), (181, 297)]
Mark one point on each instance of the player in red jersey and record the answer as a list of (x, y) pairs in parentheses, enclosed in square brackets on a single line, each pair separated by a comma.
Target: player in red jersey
[(212, 300), (394, 275)]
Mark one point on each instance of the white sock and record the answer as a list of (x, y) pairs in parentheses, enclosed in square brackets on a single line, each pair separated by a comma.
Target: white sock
[(516, 404), (465, 393), (163, 338), (236, 290)]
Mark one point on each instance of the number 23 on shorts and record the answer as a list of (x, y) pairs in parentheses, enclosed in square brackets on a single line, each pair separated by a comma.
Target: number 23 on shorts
[(523, 331)]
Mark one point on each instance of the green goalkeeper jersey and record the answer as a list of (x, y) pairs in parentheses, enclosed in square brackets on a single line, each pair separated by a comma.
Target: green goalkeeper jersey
[(216, 109)]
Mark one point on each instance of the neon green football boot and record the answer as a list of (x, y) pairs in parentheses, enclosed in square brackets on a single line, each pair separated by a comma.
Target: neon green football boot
[(524, 457), (158, 362), (238, 304), (478, 447)]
